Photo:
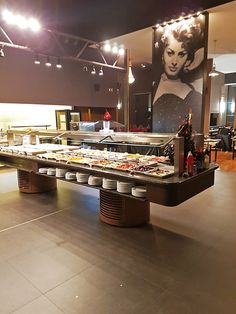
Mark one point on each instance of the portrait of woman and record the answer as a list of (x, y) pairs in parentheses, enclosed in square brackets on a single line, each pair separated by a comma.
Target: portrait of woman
[(178, 63)]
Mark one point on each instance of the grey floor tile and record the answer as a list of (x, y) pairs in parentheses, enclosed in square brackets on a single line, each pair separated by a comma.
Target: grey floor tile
[(15, 290), (83, 253), (196, 303), (78, 295), (72, 261), (121, 283), (40, 305), (20, 240), (44, 271), (75, 295)]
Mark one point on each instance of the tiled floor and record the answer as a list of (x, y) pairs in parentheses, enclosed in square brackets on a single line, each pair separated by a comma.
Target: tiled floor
[(57, 257)]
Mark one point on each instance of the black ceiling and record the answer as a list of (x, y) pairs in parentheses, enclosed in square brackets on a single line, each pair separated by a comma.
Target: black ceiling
[(103, 19)]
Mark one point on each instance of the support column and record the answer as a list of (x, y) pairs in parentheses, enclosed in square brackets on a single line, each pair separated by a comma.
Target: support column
[(122, 211), (29, 182)]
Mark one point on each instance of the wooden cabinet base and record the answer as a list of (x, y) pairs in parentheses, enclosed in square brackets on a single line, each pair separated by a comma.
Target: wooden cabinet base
[(29, 182), (120, 210)]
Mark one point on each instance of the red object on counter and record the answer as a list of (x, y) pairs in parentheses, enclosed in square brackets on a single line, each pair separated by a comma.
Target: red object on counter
[(107, 116), (189, 163)]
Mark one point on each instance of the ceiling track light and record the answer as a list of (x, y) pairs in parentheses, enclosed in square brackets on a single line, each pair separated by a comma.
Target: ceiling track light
[(100, 72), (2, 54), (36, 60), (58, 65), (107, 47), (48, 62), (93, 70), (114, 49), (121, 51), (21, 21), (182, 17)]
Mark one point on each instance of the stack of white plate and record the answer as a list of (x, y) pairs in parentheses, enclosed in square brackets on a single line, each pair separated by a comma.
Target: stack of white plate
[(43, 170), (109, 184), (93, 180), (124, 187), (139, 191), (60, 172), (51, 171), (70, 176), (82, 177)]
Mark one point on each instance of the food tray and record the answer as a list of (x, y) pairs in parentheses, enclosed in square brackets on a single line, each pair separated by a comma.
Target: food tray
[(161, 172)]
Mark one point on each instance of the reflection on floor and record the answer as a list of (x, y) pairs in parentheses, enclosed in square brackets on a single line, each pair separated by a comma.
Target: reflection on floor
[(57, 257), (225, 161)]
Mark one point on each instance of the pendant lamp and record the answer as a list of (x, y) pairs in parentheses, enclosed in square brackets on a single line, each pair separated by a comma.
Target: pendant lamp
[(214, 72), (131, 78)]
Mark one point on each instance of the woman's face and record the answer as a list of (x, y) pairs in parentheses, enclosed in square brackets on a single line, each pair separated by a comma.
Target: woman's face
[(174, 57)]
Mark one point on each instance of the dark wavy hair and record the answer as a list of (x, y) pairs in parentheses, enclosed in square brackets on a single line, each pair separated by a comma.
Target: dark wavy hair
[(188, 34)]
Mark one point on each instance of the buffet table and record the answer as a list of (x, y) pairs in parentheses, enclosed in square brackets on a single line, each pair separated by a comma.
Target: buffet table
[(115, 208)]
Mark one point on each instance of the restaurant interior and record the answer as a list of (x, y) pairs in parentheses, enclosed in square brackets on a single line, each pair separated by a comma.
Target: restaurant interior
[(71, 242)]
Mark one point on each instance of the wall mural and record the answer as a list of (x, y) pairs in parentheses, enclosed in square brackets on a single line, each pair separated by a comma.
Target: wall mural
[(179, 55)]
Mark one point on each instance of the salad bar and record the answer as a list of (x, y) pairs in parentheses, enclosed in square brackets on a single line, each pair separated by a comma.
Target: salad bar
[(127, 182)]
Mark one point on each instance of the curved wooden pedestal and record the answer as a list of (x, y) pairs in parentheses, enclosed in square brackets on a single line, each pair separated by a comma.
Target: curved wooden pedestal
[(29, 182), (120, 210)]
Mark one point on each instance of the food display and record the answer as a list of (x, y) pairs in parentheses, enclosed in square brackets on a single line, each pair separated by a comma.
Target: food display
[(161, 172), (35, 149), (155, 166)]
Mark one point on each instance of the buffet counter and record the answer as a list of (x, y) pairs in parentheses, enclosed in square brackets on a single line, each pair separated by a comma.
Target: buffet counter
[(116, 208)]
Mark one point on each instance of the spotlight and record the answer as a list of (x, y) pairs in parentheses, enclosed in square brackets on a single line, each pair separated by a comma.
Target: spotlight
[(107, 47), (36, 61), (21, 21), (2, 54), (59, 65), (34, 24), (114, 49), (48, 62), (93, 70), (100, 72), (121, 51)]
